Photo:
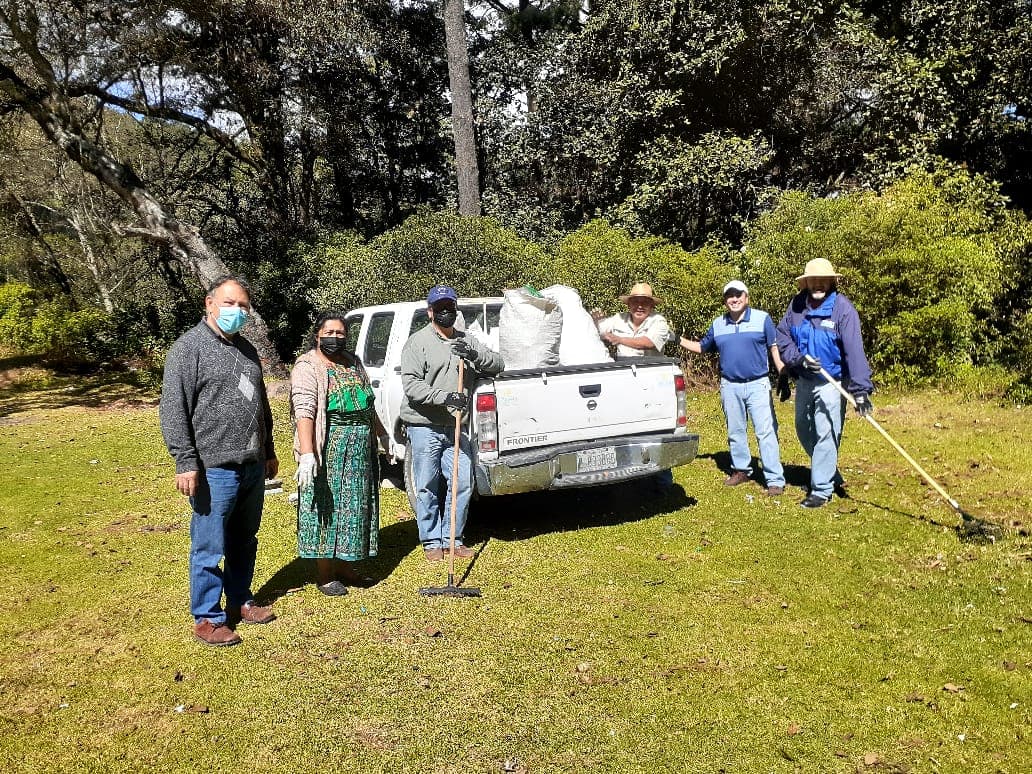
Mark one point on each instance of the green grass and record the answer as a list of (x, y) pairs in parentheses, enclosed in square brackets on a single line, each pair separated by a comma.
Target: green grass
[(712, 630)]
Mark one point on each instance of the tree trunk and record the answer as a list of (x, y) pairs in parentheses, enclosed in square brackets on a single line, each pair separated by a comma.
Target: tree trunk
[(184, 241), (466, 168)]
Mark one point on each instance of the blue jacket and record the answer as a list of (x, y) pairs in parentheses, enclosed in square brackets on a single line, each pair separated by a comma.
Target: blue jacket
[(830, 333)]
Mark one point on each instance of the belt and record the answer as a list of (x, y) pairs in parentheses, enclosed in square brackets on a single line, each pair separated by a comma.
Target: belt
[(743, 381)]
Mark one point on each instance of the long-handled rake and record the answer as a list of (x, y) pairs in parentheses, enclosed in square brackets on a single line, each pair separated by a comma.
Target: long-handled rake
[(971, 527), (452, 590)]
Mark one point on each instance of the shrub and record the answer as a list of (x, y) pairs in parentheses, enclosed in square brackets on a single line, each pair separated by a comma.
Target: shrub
[(51, 329), (476, 256), (923, 262), (17, 307), (602, 262)]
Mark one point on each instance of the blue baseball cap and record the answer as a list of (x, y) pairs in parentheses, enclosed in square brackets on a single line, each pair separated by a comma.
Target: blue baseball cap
[(440, 293)]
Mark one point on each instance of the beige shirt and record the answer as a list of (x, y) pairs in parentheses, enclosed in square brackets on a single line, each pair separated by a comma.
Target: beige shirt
[(654, 326)]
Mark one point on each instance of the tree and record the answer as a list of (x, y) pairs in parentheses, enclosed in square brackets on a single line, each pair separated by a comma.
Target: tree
[(467, 169)]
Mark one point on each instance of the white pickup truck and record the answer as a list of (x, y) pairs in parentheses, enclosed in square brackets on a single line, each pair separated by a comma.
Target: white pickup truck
[(543, 428)]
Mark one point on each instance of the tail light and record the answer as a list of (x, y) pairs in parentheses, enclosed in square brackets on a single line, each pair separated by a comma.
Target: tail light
[(679, 388), (487, 422)]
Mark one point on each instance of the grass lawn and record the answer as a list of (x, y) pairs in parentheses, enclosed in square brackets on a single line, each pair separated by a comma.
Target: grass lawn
[(710, 630)]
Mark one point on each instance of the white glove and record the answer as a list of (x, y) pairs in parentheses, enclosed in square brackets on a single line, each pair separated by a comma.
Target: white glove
[(305, 470)]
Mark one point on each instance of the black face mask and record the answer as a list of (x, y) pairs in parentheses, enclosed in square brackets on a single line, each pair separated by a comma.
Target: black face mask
[(333, 345), (445, 317)]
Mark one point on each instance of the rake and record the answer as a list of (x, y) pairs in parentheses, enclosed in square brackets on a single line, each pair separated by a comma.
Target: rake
[(971, 527), (452, 590)]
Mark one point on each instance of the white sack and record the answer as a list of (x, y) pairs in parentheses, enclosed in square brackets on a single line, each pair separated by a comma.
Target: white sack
[(580, 342), (529, 330), (489, 340)]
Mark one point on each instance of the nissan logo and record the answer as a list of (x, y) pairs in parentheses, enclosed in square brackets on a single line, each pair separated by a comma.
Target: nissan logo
[(592, 405)]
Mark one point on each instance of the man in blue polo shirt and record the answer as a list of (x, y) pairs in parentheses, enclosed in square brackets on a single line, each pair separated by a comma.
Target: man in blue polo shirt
[(743, 337)]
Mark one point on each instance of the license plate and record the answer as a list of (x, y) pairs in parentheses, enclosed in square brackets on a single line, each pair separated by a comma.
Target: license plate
[(596, 459)]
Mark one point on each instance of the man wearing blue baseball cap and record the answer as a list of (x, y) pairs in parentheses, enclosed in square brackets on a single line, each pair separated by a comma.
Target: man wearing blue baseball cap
[(744, 336), (430, 379)]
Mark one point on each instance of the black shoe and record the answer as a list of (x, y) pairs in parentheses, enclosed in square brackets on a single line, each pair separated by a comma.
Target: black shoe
[(333, 589), (815, 501)]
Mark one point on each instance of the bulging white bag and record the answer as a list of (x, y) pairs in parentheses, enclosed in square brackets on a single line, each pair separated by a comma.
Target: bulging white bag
[(580, 342), (529, 330)]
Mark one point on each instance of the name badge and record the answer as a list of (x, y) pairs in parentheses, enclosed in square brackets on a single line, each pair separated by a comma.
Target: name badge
[(828, 324)]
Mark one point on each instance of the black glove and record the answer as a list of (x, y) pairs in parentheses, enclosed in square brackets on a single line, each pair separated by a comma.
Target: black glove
[(456, 400), (462, 349), (812, 364), (784, 385), (864, 407)]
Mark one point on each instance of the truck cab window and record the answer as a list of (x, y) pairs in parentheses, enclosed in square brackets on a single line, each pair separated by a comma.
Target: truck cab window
[(354, 328), (377, 337)]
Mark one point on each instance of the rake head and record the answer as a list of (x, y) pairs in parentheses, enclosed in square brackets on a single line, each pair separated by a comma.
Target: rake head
[(975, 530), (450, 591)]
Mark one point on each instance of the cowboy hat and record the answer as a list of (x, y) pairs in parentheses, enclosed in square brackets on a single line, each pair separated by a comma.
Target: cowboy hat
[(818, 267), (641, 290)]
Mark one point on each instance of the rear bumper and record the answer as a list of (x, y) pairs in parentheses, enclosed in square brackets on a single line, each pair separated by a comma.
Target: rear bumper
[(555, 467)]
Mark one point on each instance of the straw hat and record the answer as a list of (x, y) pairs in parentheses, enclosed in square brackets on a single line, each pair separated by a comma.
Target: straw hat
[(641, 290), (818, 267)]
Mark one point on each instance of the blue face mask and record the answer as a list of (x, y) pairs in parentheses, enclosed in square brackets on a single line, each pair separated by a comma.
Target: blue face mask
[(231, 319)]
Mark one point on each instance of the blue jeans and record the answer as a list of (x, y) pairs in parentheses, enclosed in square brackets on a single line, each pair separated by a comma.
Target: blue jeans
[(741, 401), (227, 511), (819, 413), (433, 449)]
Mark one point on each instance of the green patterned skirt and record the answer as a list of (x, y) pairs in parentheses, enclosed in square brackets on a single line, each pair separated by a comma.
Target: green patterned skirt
[(338, 516)]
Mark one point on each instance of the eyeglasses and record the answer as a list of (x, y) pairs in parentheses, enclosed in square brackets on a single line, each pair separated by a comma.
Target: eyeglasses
[(443, 307), (733, 294)]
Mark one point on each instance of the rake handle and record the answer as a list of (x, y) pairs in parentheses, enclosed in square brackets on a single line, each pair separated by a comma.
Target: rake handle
[(874, 423), (455, 481)]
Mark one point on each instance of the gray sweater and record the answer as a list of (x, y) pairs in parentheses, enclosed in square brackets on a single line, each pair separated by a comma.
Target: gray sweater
[(214, 408), (430, 370)]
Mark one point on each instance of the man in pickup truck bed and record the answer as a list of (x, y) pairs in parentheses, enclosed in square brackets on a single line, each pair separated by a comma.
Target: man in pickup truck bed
[(429, 377), (638, 332)]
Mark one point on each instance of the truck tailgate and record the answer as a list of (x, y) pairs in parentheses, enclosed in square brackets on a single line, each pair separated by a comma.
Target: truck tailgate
[(575, 403)]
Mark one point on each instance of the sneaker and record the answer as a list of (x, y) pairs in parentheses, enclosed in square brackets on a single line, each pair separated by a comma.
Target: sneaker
[(775, 491), (250, 613), (815, 501), (216, 634), (736, 478), (434, 554), (462, 552)]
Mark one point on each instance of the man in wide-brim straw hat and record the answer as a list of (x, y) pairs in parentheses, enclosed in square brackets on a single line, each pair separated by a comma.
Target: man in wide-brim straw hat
[(638, 332), (821, 328)]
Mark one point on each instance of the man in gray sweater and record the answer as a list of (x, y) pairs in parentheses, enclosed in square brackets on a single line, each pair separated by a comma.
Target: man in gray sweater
[(217, 425), (429, 375)]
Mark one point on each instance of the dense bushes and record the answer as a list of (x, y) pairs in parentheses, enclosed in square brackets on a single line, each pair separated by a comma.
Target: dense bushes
[(924, 262), (938, 267), (50, 328), (476, 256), (480, 258), (602, 263)]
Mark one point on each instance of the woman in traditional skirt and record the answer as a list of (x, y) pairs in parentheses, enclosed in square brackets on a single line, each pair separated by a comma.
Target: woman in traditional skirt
[(335, 432)]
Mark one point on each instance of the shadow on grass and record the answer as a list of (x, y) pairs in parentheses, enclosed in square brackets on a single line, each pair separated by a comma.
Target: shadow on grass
[(48, 390), (517, 517), (396, 542), (795, 475)]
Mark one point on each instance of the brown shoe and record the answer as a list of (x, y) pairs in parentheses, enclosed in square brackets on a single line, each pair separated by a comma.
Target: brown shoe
[(736, 478), (775, 491), (434, 554), (462, 552), (217, 634), (250, 613)]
